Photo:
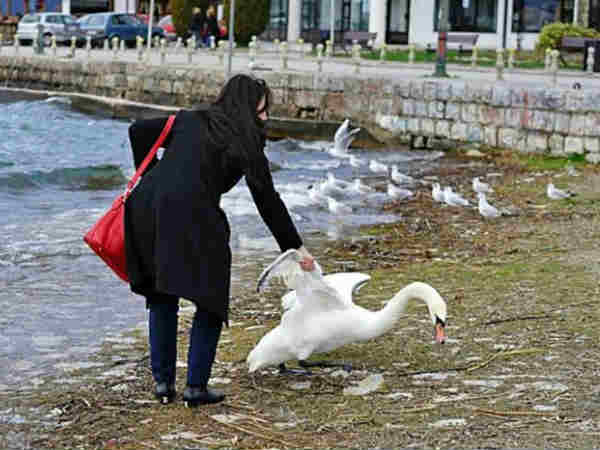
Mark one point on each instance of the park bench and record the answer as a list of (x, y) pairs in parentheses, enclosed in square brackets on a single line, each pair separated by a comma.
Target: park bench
[(465, 42), (576, 43), (363, 38)]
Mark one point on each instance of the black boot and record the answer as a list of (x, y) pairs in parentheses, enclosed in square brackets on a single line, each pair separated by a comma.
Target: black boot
[(194, 396), (165, 393)]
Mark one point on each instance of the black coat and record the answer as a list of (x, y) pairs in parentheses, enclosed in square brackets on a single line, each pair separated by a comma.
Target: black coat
[(176, 234)]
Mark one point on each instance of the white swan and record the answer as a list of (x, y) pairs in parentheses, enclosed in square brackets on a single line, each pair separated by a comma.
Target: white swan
[(485, 209), (343, 138), (321, 316)]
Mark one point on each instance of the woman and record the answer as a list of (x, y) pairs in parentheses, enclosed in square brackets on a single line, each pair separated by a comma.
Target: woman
[(197, 26), (177, 235), (212, 26)]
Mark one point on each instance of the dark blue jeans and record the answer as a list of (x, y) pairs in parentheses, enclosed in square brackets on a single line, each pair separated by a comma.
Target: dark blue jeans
[(204, 337)]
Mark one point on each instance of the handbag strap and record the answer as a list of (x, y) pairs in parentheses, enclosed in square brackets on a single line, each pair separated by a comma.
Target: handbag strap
[(138, 173)]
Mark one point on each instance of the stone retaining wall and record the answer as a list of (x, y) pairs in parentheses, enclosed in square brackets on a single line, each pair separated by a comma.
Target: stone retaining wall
[(422, 112)]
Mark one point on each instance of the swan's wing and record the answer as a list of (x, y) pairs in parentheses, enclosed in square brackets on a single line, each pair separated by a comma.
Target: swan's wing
[(286, 266), (345, 283), (341, 131)]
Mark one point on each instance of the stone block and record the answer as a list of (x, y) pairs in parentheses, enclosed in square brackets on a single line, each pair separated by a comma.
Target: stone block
[(573, 145), (352, 86), (427, 127), (382, 106), (408, 108), (490, 136), (165, 86), (474, 133), (592, 124), (395, 124), (591, 101), (562, 122), (577, 125), (458, 131), (556, 144), (416, 89), (414, 126), (442, 128), (402, 88), (436, 109), (574, 101), (591, 145), (593, 158), (491, 115), (444, 92), (430, 90), (458, 91), (453, 111), (501, 96), (420, 109), (537, 142), (508, 138), (553, 99), (470, 112), (516, 117), (478, 93), (542, 120)]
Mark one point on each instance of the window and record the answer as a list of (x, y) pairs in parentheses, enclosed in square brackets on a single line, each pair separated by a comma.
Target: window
[(531, 15), (469, 15), (278, 14), (310, 14), (359, 15), (30, 18)]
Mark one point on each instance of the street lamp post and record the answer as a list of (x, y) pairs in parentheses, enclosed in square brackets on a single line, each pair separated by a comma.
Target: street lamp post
[(231, 32), (440, 66)]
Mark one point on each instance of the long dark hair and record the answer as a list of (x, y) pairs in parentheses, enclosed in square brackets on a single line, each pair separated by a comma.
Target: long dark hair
[(235, 110)]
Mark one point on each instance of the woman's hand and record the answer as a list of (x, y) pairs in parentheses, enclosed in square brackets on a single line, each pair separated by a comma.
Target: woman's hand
[(308, 262)]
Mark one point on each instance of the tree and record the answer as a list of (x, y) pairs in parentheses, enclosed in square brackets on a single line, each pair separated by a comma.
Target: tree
[(251, 18)]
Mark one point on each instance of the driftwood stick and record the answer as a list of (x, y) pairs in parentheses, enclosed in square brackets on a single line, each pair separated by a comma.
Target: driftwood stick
[(515, 319), (492, 412), (524, 351), (252, 433)]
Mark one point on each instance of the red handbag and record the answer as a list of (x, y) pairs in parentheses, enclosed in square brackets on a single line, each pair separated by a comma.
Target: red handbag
[(107, 236)]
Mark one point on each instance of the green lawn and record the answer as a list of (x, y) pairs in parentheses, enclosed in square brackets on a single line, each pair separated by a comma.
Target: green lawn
[(486, 58)]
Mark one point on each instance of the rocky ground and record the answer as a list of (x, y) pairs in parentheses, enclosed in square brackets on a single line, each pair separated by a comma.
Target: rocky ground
[(519, 369)]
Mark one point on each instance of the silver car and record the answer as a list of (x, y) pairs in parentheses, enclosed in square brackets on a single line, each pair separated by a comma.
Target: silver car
[(63, 26)]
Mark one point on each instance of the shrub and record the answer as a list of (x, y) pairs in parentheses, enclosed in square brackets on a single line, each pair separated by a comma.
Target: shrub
[(251, 17), (181, 10), (552, 34)]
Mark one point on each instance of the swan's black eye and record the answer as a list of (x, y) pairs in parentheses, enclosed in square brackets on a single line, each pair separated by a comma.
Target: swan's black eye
[(439, 321)]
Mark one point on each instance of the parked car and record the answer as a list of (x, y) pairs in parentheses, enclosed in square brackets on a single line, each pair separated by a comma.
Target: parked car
[(62, 26), (166, 23), (127, 27)]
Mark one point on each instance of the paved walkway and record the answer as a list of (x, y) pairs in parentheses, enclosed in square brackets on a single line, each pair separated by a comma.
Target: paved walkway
[(268, 60)]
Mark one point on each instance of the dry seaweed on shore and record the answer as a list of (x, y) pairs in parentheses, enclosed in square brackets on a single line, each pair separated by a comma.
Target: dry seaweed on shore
[(519, 369)]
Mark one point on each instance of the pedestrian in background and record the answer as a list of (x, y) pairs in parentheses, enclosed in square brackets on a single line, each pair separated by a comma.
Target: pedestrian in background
[(212, 25), (197, 26), (177, 236)]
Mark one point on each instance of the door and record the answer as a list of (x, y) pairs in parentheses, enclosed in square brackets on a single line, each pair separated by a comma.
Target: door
[(398, 21)]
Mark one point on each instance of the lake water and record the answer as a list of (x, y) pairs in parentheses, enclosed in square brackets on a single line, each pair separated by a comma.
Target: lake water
[(60, 170)]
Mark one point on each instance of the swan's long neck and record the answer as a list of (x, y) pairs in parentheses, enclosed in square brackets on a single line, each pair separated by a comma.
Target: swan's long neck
[(384, 319)]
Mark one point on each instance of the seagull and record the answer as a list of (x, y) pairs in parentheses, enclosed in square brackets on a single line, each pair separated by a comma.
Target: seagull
[(336, 207), (377, 167), (557, 194), (356, 162), (437, 193), (454, 199), (481, 187), (485, 209), (398, 193), (399, 177), (359, 187), (316, 196), (343, 138), (333, 181)]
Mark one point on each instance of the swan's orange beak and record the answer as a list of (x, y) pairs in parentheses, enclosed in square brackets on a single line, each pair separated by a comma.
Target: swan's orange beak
[(440, 336)]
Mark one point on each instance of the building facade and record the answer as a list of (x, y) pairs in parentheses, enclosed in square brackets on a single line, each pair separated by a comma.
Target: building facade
[(499, 23)]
